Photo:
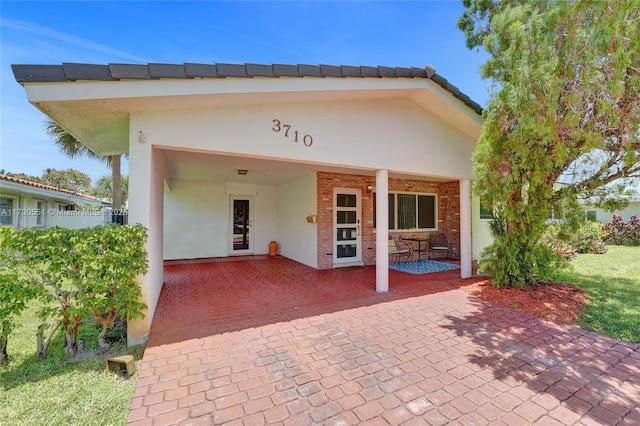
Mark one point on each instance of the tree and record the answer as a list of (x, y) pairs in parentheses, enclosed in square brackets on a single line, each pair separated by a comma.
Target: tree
[(565, 106), (73, 148), (69, 179), (104, 188)]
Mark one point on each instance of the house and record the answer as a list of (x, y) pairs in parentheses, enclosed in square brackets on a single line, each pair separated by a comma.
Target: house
[(26, 204), (225, 158), (597, 214)]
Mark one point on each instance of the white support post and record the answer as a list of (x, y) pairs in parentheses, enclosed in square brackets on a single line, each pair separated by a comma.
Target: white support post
[(465, 229), (382, 231)]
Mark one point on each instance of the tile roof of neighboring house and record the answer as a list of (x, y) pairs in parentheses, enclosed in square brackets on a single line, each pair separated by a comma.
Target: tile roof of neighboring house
[(152, 71), (47, 187), (629, 198)]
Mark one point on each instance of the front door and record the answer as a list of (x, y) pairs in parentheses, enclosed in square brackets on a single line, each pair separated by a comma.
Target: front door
[(241, 222), (347, 235)]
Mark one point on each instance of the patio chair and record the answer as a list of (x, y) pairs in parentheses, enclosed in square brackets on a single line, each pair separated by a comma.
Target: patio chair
[(438, 244), (399, 250)]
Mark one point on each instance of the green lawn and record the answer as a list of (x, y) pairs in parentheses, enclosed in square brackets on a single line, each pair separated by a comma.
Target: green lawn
[(56, 391), (613, 283)]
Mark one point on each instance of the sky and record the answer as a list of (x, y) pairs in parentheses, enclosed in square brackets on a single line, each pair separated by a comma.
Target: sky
[(394, 33)]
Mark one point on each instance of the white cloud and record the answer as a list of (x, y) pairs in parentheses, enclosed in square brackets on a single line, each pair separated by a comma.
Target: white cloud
[(32, 28)]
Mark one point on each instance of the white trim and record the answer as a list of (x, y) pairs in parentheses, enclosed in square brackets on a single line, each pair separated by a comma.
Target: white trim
[(127, 89), (357, 259), (251, 249)]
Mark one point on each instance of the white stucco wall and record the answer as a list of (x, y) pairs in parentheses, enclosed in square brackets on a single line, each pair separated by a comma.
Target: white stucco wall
[(480, 229), (51, 214), (146, 207), (396, 135), (298, 239), (266, 225), (197, 218), (605, 216), (79, 219)]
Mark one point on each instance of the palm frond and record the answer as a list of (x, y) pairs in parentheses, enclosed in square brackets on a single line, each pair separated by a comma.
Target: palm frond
[(69, 145)]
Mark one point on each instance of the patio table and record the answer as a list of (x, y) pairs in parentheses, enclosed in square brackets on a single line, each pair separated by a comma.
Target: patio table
[(420, 241)]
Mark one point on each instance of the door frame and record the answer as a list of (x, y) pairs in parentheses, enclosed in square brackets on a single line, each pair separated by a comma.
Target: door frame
[(251, 234), (357, 259)]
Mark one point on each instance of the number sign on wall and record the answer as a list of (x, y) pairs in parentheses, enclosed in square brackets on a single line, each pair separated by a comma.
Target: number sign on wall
[(289, 132)]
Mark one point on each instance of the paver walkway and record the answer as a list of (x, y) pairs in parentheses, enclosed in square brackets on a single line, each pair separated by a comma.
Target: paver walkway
[(274, 342)]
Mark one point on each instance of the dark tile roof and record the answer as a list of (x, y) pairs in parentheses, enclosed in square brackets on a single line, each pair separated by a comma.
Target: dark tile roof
[(74, 71)]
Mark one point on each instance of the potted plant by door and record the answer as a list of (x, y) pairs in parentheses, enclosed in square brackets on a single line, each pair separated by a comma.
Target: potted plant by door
[(273, 248)]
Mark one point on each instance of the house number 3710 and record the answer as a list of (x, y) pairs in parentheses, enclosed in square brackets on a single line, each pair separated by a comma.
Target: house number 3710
[(279, 126)]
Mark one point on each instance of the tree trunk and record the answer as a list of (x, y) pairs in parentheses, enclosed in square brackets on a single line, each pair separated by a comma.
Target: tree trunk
[(71, 335), (43, 341), (116, 188), (70, 341), (116, 184), (101, 337), (42, 344), (3, 342)]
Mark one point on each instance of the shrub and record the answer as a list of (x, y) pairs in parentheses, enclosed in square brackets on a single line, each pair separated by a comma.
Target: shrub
[(567, 242), (15, 290), (509, 265), (588, 239), (89, 272), (620, 232), (564, 250)]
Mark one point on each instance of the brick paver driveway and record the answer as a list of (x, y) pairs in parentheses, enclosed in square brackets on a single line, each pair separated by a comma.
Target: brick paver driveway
[(274, 342)]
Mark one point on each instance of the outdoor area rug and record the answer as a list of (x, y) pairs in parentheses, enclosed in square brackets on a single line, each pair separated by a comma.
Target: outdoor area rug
[(422, 266)]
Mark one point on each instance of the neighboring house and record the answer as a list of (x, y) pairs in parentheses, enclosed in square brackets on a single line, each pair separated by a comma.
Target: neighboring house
[(482, 236), (225, 158), (26, 204), (597, 214)]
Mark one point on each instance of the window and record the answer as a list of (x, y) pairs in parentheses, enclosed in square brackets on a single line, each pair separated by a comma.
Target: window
[(6, 211), (39, 213), (409, 211), (485, 211), (589, 215), (67, 207)]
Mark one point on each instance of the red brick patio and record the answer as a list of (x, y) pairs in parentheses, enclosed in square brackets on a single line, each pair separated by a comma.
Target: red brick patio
[(274, 342)]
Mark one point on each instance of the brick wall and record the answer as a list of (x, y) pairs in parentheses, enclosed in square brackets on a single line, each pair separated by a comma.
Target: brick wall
[(448, 212)]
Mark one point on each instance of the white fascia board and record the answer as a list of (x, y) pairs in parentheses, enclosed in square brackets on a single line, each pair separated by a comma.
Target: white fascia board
[(455, 102), (451, 109), (90, 90)]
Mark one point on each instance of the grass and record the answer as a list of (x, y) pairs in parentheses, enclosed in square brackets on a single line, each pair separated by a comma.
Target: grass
[(613, 283), (58, 391)]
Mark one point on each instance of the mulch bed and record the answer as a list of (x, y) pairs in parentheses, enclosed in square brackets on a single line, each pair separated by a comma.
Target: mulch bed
[(558, 302)]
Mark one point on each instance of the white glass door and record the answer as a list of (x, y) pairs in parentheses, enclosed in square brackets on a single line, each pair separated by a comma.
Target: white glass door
[(347, 235), (241, 221)]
